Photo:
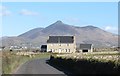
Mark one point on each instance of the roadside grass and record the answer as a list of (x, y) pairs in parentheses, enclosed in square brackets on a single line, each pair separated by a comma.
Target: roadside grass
[(112, 56), (10, 61)]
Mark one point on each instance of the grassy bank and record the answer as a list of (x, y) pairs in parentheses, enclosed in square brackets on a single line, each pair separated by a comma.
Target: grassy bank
[(10, 61), (99, 56), (85, 66)]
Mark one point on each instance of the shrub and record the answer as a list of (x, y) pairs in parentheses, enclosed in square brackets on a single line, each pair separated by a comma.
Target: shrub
[(85, 66)]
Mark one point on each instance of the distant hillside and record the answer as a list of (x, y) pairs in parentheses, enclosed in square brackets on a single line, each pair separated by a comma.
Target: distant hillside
[(32, 33), (87, 34)]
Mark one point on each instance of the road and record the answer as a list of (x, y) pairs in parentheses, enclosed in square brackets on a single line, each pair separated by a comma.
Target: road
[(37, 66)]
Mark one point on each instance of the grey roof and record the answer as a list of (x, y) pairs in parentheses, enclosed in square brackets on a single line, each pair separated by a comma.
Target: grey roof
[(85, 46), (60, 39)]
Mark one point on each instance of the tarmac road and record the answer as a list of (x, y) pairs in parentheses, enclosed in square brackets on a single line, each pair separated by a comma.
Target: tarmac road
[(37, 66)]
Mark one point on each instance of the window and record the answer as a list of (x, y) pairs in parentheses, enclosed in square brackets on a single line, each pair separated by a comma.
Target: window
[(67, 44), (69, 50), (66, 50), (53, 50)]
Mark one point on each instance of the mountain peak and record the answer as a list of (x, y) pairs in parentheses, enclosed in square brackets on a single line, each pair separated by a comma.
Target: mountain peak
[(90, 27), (58, 22)]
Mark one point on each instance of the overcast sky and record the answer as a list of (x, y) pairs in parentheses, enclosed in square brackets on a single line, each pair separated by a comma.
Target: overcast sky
[(19, 17)]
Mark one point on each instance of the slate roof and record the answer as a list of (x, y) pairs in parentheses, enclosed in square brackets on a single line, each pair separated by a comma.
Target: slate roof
[(85, 46), (60, 39)]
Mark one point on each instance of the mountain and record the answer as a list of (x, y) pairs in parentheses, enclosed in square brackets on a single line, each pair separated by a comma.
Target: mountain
[(9, 41), (32, 33), (86, 34), (59, 28)]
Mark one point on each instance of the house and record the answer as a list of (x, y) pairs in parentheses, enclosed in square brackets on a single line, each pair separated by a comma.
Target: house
[(43, 48), (16, 48), (86, 48), (61, 44)]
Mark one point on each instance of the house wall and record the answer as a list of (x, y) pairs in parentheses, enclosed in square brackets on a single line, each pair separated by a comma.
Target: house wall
[(61, 47)]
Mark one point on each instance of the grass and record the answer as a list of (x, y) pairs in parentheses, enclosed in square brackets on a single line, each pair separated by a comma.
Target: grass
[(101, 56), (10, 61)]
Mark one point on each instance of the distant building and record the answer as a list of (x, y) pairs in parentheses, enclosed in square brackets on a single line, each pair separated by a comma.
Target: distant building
[(61, 44), (15, 48), (86, 48), (43, 48)]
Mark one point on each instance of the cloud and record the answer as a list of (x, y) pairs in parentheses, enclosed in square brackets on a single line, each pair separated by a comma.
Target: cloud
[(112, 29), (4, 11), (28, 13)]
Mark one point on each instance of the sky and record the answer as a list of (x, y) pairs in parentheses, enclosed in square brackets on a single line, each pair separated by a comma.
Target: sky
[(20, 17), (59, 0)]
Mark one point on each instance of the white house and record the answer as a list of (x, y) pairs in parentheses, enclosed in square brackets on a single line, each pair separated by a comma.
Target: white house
[(61, 44)]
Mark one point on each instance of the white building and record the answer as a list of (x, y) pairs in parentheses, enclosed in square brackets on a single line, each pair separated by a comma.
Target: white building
[(61, 44), (86, 48)]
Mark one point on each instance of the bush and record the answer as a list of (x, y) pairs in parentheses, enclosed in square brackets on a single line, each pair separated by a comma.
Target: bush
[(85, 66)]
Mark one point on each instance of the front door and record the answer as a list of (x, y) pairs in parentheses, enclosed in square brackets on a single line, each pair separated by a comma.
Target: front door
[(59, 50), (85, 50)]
